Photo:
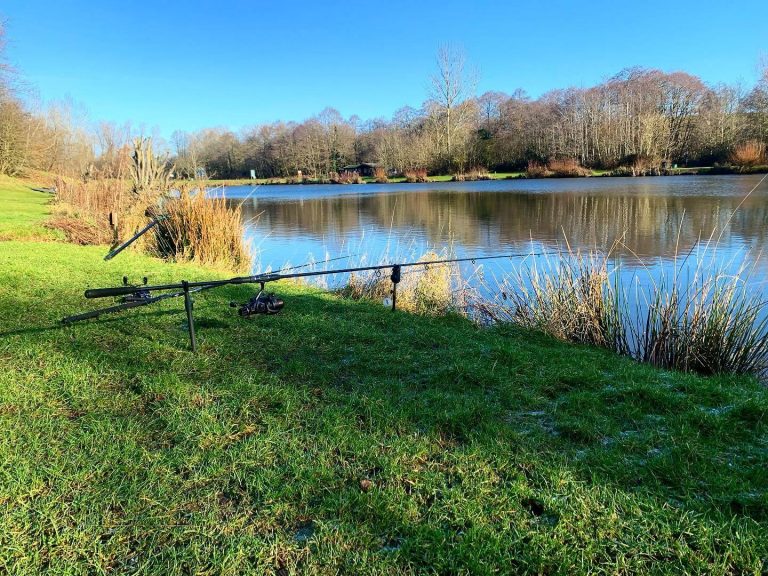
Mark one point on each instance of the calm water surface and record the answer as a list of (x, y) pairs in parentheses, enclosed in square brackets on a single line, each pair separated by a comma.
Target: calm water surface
[(654, 217)]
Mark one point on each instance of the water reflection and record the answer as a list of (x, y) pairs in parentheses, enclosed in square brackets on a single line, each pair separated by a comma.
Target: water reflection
[(655, 217)]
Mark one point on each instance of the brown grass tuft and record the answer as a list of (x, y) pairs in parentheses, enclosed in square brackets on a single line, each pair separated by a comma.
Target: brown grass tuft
[(202, 229), (427, 290), (536, 170), (416, 175), (79, 229), (750, 153), (567, 167), (380, 175)]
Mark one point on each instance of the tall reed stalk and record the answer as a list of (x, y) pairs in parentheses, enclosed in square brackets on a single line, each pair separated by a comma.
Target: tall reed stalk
[(711, 324), (573, 298)]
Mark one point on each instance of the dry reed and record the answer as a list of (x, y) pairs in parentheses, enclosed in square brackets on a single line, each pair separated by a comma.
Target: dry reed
[(712, 323), (566, 168), (202, 229), (428, 290), (82, 209), (536, 170)]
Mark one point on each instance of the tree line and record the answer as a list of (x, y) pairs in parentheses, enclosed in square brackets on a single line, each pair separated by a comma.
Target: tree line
[(637, 117)]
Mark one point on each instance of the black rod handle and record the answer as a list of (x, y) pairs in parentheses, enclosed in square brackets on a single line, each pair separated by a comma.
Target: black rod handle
[(106, 292)]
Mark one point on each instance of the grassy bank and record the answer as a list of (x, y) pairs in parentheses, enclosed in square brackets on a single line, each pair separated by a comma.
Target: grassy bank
[(341, 437), (694, 171), (367, 180), (23, 212)]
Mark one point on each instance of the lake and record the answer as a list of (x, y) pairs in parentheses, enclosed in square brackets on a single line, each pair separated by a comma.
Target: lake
[(655, 218)]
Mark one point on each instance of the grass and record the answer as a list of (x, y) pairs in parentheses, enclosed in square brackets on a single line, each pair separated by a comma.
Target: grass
[(23, 211), (339, 437)]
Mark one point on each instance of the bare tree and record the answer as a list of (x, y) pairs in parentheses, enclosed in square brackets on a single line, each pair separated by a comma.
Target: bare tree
[(450, 87)]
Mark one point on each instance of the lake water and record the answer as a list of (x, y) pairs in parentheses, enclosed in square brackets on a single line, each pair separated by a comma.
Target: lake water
[(655, 218)]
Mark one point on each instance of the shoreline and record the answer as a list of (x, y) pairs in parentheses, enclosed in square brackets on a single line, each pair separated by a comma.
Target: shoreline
[(443, 178)]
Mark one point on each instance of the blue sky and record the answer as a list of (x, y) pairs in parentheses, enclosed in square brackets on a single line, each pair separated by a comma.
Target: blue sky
[(195, 64)]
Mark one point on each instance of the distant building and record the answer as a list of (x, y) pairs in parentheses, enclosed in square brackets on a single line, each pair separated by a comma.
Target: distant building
[(364, 168)]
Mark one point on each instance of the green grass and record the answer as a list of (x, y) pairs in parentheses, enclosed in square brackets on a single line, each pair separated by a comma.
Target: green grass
[(338, 437), (22, 211)]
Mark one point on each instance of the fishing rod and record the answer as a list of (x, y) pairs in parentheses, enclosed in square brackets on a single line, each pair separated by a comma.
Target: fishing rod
[(141, 295), (115, 251), (275, 276), (262, 303)]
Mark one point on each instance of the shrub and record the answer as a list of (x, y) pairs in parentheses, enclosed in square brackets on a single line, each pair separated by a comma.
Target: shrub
[(380, 175), (536, 170), (416, 175), (567, 167), (346, 177), (750, 153), (644, 166)]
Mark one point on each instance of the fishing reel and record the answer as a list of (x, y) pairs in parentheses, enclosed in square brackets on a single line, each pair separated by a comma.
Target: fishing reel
[(260, 304), (140, 295)]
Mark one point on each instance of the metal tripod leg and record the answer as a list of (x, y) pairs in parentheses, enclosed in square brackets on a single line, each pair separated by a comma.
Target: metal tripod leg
[(190, 319)]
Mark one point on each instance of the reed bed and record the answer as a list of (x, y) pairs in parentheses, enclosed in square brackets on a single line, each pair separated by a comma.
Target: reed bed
[(195, 227), (416, 175), (572, 298), (567, 168), (557, 168), (710, 324), (697, 316), (472, 175), (82, 209), (204, 229), (96, 196)]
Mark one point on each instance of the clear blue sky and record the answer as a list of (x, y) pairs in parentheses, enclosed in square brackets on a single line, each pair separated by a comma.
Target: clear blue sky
[(195, 64)]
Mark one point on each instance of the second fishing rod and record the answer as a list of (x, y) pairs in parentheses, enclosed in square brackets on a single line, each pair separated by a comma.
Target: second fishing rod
[(267, 277)]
